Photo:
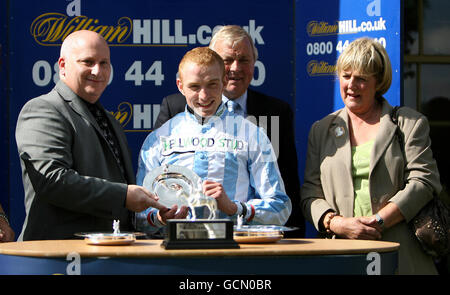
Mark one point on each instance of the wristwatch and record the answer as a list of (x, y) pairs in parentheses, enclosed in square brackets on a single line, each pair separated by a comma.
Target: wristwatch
[(244, 210), (380, 220)]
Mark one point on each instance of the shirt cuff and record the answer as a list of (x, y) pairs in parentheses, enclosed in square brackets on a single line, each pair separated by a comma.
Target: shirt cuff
[(249, 210), (153, 220)]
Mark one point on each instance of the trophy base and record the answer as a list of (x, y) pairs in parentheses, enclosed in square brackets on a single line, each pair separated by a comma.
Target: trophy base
[(199, 234)]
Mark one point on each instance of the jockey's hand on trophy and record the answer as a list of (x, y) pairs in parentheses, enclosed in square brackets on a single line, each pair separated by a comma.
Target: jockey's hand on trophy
[(215, 190), (172, 213)]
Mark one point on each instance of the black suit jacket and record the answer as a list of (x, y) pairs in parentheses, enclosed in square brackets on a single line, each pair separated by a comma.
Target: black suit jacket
[(259, 104)]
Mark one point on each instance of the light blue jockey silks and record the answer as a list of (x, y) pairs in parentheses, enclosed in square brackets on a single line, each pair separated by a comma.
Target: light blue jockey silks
[(227, 149)]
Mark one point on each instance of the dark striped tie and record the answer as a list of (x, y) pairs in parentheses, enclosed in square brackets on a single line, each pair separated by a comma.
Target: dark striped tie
[(110, 137)]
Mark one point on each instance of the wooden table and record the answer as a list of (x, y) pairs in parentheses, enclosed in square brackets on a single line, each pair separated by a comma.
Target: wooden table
[(288, 256)]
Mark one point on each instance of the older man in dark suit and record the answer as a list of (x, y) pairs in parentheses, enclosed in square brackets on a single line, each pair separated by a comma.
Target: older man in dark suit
[(76, 164), (239, 53)]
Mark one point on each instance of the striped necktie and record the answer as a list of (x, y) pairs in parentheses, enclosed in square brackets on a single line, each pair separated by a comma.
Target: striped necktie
[(233, 107)]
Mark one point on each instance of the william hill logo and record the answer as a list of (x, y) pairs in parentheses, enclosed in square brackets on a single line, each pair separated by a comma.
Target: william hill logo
[(136, 117), (315, 28), (124, 113), (52, 28), (320, 68)]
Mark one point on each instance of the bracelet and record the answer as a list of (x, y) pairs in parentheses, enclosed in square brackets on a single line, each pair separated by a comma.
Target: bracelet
[(327, 221), (3, 215), (380, 221), (244, 210)]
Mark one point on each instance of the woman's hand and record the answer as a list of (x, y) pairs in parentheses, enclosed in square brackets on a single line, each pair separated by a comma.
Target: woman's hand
[(361, 228), (172, 213)]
